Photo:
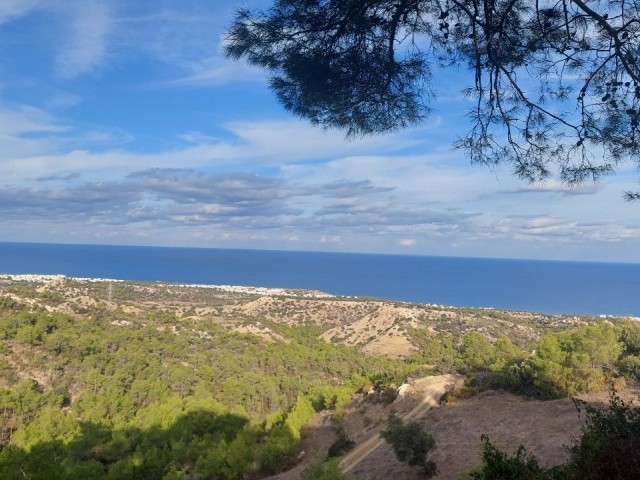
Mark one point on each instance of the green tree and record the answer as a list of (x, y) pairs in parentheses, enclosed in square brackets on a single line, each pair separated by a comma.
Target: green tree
[(299, 416), (552, 81), (279, 450), (630, 336), (410, 442), (629, 365), (30, 335), (330, 470), (438, 351), (576, 360), (609, 447), (477, 352)]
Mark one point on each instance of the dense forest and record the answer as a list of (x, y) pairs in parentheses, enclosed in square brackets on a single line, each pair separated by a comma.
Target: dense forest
[(107, 394)]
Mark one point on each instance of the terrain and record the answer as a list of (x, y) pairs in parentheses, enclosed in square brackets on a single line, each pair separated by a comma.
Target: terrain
[(286, 369), (377, 327)]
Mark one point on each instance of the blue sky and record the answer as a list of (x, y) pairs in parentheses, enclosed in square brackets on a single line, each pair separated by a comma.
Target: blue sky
[(122, 123)]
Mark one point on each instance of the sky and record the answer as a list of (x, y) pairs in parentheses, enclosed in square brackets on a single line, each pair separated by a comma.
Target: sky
[(123, 123)]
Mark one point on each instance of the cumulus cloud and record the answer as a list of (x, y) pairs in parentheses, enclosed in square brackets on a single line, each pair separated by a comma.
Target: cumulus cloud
[(235, 200)]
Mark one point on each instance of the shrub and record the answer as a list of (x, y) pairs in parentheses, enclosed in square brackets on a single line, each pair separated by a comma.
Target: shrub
[(609, 447), (498, 465), (630, 366), (410, 443), (342, 444), (330, 470)]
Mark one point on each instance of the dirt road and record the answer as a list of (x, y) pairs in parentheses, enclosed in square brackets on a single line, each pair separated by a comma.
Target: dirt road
[(431, 389)]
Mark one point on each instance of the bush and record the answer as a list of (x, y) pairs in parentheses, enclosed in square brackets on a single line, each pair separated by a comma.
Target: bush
[(498, 465), (410, 443), (630, 366), (609, 447), (329, 470), (342, 444)]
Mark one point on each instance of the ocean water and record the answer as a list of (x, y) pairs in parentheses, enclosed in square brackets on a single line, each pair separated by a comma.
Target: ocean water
[(540, 286)]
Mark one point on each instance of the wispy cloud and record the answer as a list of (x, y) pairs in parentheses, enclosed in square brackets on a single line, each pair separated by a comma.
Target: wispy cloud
[(23, 119), (11, 9), (554, 187), (86, 47), (218, 71)]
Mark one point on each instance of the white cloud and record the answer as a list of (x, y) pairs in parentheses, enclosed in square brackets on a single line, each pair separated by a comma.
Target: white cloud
[(407, 242), (23, 119), (330, 239), (218, 71), (11, 9), (381, 196), (86, 46), (554, 186), (63, 100)]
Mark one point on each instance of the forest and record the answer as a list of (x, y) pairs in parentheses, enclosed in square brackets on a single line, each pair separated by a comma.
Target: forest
[(105, 394)]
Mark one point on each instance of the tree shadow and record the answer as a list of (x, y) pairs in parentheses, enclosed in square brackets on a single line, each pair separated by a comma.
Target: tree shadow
[(198, 444)]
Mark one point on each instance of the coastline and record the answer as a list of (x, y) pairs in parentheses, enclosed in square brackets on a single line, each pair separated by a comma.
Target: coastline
[(283, 292), (549, 287), (36, 278)]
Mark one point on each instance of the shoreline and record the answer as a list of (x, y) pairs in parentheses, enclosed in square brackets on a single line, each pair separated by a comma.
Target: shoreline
[(273, 291), (24, 277), (552, 289)]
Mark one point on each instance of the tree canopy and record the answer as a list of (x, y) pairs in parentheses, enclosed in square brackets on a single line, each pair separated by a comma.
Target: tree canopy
[(555, 84), (410, 443)]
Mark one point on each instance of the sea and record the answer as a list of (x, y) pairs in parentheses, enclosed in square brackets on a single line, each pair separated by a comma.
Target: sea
[(553, 287)]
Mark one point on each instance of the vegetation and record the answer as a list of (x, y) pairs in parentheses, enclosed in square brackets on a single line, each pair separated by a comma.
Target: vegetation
[(498, 465), (163, 398), (133, 389), (410, 443), (581, 359), (330, 470), (552, 81), (342, 445)]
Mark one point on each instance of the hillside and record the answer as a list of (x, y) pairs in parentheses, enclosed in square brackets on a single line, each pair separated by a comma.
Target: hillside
[(149, 380), (375, 326)]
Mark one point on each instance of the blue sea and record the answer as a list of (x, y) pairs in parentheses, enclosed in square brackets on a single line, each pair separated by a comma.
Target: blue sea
[(531, 285)]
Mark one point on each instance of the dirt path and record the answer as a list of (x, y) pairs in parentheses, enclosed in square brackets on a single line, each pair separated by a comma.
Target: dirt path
[(431, 389)]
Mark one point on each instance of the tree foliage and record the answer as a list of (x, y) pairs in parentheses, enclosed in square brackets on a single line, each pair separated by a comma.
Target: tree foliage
[(410, 442), (161, 398), (555, 84), (609, 447), (330, 470), (499, 465), (89, 397), (576, 360)]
